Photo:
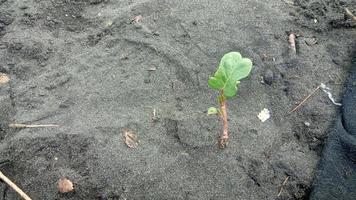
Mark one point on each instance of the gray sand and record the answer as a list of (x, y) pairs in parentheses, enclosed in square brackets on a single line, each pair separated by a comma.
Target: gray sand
[(70, 66)]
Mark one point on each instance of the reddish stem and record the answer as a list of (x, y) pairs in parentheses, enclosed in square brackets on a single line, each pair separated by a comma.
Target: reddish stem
[(225, 135)]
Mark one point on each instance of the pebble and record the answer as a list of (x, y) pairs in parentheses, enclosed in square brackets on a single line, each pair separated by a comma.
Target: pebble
[(268, 77), (311, 41)]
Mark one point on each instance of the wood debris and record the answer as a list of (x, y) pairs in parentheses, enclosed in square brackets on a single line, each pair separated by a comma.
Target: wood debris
[(292, 44)]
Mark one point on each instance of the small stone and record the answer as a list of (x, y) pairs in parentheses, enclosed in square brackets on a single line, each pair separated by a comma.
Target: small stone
[(23, 7), (268, 77), (307, 124), (311, 41), (4, 69)]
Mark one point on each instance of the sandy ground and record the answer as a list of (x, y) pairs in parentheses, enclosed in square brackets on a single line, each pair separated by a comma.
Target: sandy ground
[(85, 65)]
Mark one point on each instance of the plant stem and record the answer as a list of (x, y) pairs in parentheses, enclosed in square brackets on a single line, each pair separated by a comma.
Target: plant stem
[(225, 135)]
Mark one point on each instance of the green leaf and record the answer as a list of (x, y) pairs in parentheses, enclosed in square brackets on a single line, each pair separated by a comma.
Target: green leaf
[(212, 111), (231, 70)]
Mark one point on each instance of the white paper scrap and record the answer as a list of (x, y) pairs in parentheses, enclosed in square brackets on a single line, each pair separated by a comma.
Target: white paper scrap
[(264, 115)]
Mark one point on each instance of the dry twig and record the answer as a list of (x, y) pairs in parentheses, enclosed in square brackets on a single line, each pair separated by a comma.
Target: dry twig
[(32, 125), (305, 99), (350, 15), (14, 186), (283, 184)]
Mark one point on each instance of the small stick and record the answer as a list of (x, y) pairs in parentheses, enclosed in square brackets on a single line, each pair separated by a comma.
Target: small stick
[(304, 100), (283, 184), (350, 15), (14, 186), (32, 125)]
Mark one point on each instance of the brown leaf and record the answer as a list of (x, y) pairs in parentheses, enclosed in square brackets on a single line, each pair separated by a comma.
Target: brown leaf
[(131, 139), (65, 185), (4, 78)]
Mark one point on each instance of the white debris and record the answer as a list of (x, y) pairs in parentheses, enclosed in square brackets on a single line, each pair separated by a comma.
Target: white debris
[(264, 115), (327, 90), (307, 123)]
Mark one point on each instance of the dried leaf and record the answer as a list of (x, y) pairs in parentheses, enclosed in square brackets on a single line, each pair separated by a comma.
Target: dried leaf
[(131, 139), (65, 185), (4, 78)]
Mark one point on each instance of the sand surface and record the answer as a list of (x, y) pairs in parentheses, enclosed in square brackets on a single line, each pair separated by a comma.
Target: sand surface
[(86, 66)]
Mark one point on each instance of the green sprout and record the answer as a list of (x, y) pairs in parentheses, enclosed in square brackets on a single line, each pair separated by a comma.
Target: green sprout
[(231, 70)]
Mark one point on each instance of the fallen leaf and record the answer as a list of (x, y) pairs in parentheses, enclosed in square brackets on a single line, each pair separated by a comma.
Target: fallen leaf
[(4, 78), (131, 139), (137, 18), (65, 185)]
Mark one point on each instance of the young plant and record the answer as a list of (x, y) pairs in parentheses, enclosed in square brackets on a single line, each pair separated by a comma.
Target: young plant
[(231, 70)]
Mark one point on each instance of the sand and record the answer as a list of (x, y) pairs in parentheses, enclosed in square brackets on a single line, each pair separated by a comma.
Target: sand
[(88, 67)]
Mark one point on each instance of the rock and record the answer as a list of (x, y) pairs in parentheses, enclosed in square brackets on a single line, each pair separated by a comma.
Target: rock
[(311, 41), (268, 77)]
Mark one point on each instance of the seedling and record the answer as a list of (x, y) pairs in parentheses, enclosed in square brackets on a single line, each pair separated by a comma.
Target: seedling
[(231, 70)]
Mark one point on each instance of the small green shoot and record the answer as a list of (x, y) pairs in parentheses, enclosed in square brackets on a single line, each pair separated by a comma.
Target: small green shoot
[(213, 111), (231, 70)]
